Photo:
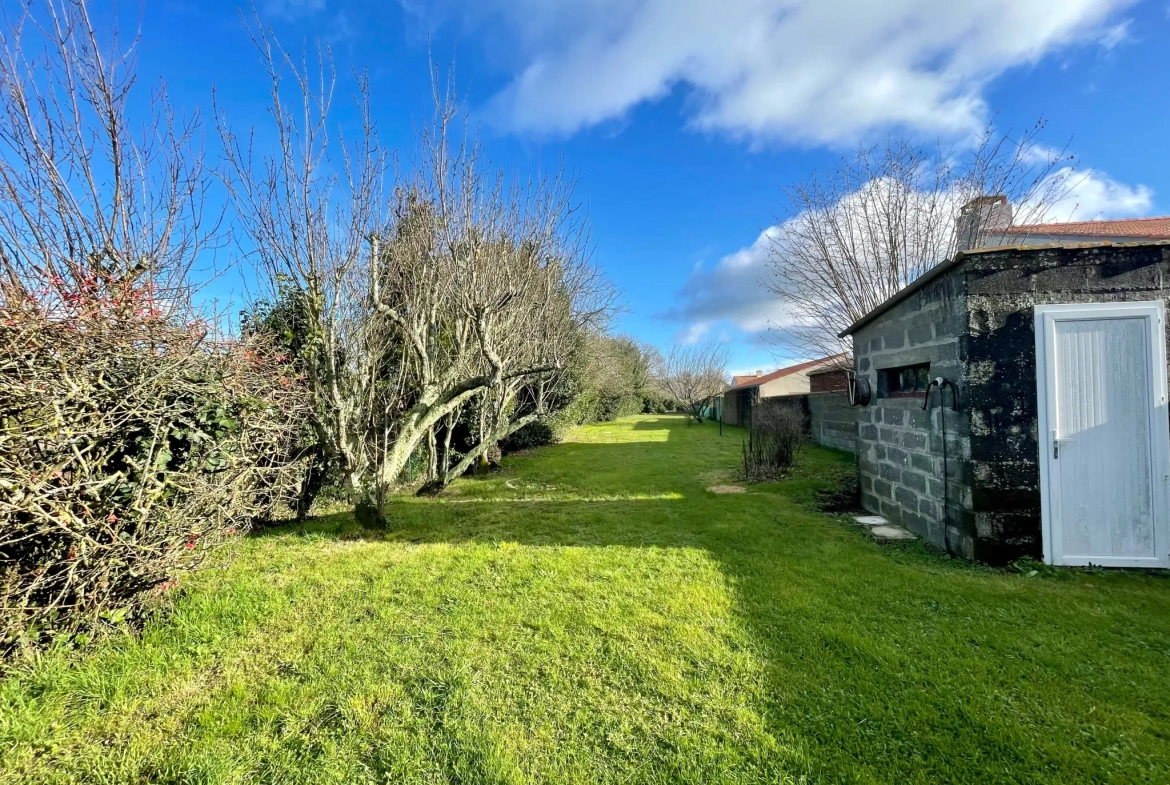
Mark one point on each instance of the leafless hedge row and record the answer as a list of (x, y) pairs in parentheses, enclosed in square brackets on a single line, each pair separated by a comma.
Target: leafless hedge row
[(401, 306), (130, 442), (129, 448)]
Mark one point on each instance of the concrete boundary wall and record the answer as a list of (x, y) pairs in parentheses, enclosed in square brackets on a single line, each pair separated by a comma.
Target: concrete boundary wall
[(832, 421)]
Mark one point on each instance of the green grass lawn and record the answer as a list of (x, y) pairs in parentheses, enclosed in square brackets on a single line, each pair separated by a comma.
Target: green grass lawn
[(592, 614)]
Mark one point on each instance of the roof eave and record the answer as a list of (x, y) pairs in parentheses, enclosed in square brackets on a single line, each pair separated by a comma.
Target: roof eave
[(947, 266), (903, 294)]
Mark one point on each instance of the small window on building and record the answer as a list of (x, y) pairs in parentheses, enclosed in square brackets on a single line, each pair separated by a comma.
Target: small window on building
[(904, 382)]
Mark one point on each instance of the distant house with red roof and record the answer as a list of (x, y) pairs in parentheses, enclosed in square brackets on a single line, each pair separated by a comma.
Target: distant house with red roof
[(986, 222), (1125, 230), (793, 380)]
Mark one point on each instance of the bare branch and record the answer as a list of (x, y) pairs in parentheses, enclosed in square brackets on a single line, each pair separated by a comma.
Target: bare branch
[(694, 375), (857, 234)]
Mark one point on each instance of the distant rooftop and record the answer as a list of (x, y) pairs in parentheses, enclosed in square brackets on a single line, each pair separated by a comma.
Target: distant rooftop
[(946, 266), (736, 381), (1157, 228), (751, 380)]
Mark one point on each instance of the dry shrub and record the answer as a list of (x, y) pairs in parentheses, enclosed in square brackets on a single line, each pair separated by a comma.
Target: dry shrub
[(129, 448), (130, 442), (777, 434)]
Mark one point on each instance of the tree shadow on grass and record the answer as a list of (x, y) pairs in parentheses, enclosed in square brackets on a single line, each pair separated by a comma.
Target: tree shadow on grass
[(660, 423), (879, 664)]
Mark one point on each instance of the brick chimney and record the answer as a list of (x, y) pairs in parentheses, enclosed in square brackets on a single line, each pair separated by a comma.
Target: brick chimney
[(981, 222)]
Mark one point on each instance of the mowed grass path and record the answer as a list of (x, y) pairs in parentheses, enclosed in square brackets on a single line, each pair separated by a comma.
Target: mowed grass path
[(592, 614)]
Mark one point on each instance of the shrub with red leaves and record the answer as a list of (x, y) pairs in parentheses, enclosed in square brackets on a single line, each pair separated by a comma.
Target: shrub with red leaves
[(129, 448)]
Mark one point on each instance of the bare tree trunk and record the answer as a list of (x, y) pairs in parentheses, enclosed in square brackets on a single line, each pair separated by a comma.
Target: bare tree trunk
[(481, 461), (432, 456), (311, 483), (413, 429), (452, 418), (476, 452)]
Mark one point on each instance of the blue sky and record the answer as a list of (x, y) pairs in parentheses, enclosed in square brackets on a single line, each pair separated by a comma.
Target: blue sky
[(684, 118)]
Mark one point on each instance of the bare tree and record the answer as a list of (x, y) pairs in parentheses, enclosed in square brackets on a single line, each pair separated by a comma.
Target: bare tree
[(131, 442), (91, 204), (457, 282), (487, 280), (310, 209), (694, 375), (857, 234), (522, 338)]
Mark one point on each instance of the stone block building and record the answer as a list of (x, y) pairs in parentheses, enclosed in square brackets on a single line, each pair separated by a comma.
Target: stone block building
[(1050, 443)]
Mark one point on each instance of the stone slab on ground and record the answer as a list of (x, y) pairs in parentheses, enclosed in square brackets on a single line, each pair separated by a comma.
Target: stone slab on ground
[(870, 520), (727, 489), (889, 533)]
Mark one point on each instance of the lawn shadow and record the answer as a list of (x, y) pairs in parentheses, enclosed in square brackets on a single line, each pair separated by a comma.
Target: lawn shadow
[(594, 493), (772, 547), (663, 422), (880, 663)]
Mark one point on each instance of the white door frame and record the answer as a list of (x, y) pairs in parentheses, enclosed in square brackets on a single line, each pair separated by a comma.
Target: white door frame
[(1046, 317)]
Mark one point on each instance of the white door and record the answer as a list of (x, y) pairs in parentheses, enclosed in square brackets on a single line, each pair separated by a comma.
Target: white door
[(1105, 438)]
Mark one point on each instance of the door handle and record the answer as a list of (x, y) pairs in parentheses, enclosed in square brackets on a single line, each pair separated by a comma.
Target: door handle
[(1056, 444)]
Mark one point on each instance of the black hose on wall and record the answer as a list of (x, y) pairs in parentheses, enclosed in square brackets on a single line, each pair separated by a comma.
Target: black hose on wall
[(942, 383)]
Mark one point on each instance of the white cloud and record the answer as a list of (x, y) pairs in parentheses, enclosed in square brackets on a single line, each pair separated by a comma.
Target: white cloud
[(809, 70), (334, 26), (1115, 35), (693, 334), (1093, 195), (732, 291)]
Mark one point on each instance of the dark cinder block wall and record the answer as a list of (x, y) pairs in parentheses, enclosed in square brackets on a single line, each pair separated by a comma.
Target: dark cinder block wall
[(1000, 369), (974, 325)]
